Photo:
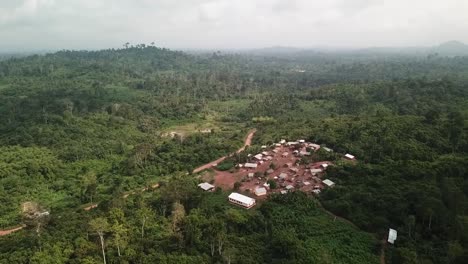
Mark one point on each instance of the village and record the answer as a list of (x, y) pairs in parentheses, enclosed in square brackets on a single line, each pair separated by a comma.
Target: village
[(278, 168)]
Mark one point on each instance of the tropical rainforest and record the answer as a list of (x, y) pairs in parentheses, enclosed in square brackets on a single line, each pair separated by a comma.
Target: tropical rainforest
[(98, 148)]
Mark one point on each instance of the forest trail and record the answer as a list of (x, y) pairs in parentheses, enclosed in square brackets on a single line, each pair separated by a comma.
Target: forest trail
[(382, 251), (9, 231), (247, 142)]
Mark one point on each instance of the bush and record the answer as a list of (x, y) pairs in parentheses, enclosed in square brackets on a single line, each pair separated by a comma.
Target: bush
[(226, 165), (272, 184)]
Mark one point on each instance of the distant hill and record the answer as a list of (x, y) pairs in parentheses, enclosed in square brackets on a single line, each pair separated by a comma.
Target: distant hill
[(451, 48)]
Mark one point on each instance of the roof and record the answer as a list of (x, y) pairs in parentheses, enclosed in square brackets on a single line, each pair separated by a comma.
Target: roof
[(392, 235), (315, 170), (328, 182), (324, 165), (285, 154), (264, 147), (251, 174), (349, 156), (315, 146), (306, 183), (283, 175), (258, 156), (206, 186), (260, 191), (289, 187), (301, 140), (270, 171), (327, 149), (250, 165), (242, 198)]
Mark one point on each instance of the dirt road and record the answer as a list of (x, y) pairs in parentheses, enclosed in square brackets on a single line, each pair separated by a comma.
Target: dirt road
[(9, 231), (247, 142)]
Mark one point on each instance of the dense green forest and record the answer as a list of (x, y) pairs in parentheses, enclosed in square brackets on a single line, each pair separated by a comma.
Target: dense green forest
[(79, 128)]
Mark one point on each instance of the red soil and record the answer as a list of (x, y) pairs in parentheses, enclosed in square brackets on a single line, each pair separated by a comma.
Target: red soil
[(226, 180), (9, 231)]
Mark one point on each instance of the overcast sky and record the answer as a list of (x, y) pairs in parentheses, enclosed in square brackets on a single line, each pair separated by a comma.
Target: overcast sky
[(94, 24)]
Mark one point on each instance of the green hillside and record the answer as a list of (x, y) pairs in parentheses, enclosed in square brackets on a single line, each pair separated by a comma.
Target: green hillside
[(79, 128)]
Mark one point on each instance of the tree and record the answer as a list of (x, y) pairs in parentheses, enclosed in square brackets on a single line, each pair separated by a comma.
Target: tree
[(118, 228), (272, 184), (100, 226), (144, 214)]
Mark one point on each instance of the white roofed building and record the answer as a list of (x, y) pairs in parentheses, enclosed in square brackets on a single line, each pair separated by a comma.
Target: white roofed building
[(242, 200), (349, 156), (328, 183), (206, 186), (260, 191), (250, 165), (392, 235), (258, 156)]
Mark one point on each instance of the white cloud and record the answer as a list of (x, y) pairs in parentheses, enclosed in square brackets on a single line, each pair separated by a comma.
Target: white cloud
[(42, 24)]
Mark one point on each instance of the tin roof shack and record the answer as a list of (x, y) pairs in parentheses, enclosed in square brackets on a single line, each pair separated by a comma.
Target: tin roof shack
[(392, 235), (328, 149), (285, 154), (250, 165), (349, 156), (315, 171), (315, 147), (289, 188), (250, 175), (206, 187), (328, 183), (258, 157), (241, 200), (260, 191)]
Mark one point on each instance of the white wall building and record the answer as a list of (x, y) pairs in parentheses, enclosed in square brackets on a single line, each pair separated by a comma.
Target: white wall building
[(242, 200)]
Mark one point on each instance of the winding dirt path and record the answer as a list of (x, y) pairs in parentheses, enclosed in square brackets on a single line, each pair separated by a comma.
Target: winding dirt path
[(247, 142), (9, 231)]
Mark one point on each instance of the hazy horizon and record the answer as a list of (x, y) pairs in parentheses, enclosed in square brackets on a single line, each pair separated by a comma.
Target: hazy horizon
[(34, 25)]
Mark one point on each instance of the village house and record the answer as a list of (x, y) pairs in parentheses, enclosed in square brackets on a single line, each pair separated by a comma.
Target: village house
[(392, 235), (242, 200), (328, 183), (315, 171), (315, 147), (349, 156), (285, 154), (250, 165), (206, 186), (328, 149), (289, 187), (258, 157), (260, 191)]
